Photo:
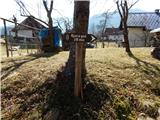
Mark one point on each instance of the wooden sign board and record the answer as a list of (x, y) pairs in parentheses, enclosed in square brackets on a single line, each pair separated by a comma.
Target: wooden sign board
[(75, 37)]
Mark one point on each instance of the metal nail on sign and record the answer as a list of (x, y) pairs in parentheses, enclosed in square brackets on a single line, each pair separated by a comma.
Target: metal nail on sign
[(75, 37)]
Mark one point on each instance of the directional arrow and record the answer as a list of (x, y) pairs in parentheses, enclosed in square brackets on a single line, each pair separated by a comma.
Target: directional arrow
[(93, 38), (76, 37)]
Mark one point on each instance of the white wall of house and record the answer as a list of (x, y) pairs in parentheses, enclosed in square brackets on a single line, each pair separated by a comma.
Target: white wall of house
[(115, 37), (24, 33), (137, 37)]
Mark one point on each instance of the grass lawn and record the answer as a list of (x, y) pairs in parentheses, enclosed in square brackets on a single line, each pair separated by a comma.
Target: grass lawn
[(118, 86)]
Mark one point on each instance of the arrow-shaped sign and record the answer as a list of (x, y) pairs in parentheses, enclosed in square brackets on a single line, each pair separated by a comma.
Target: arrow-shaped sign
[(76, 37)]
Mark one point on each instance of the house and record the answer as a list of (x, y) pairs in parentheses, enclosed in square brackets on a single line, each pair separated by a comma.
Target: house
[(25, 33), (139, 26), (113, 34)]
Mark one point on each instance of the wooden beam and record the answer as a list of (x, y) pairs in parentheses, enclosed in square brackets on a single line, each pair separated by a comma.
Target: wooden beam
[(78, 70), (20, 24)]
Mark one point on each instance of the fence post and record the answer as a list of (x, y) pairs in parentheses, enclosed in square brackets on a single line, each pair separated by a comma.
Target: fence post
[(26, 46), (5, 32), (10, 43)]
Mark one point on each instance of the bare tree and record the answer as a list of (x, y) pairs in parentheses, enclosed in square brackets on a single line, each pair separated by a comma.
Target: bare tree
[(64, 23), (123, 9), (50, 21), (103, 23), (93, 29)]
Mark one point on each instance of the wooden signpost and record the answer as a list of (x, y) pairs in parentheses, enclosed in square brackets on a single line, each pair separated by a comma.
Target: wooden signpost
[(75, 66), (79, 39), (79, 36)]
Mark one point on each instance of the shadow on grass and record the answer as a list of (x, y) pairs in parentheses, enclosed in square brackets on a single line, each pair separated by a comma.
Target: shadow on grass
[(47, 55), (17, 63), (149, 69), (146, 66), (8, 70), (61, 103), (54, 100)]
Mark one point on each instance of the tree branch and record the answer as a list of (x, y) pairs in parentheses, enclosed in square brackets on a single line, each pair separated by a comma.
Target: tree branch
[(118, 7), (133, 4), (45, 5), (51, 6), (126, 10), (123, 10)]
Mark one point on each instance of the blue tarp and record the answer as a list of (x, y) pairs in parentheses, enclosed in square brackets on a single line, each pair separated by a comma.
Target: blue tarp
[(56, 37), (43, 34)]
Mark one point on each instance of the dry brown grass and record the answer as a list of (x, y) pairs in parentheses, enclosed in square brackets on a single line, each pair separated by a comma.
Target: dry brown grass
[(106, 44), (27, 80), (134, 77), (113, 64)]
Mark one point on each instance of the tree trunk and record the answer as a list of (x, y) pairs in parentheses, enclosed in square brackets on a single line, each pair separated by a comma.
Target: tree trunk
[(50, 31), (49, 41), (80, 25), (125, 33)]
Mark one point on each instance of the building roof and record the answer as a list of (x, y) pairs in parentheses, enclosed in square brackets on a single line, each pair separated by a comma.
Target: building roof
[(29, 21), (147, 20)]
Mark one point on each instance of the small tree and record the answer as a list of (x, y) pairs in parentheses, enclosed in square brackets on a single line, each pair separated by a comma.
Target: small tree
[(64, 23), (123, 9), (103, 23)]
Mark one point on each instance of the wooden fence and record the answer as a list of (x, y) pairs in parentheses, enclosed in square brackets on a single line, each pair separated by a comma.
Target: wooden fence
[(19, 49)]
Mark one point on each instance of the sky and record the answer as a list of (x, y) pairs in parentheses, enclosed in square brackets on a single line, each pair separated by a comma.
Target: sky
[(64, 8)]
